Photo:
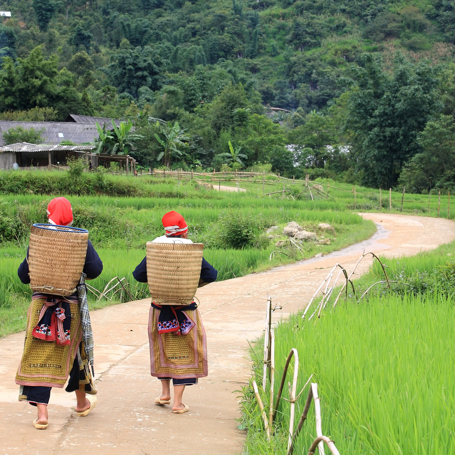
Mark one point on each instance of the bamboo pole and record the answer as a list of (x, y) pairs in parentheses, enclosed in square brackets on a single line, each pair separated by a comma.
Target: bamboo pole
[(329, 443), (266, 341), (317, 410), (439, 202), (303, 417), (261, 407), (272, 375), (402, 199), (292, 397), (390, 199)]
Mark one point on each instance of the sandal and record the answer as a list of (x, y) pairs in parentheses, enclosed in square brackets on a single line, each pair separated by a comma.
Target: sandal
[(181, 411), (160, 402), (40, 426), (86, 412)]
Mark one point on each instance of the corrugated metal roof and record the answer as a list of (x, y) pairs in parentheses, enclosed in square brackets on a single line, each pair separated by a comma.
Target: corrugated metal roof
[(92, 120), (55, 132), (32, 148)]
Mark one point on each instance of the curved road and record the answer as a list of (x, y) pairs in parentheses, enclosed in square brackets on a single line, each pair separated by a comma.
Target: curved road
[(126, 420)]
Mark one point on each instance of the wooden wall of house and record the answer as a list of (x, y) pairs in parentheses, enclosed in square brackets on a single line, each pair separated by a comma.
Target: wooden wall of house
[(7, 159)]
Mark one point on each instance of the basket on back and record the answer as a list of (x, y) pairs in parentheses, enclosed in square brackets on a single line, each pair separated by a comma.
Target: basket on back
[(173, 272), (56, 258)]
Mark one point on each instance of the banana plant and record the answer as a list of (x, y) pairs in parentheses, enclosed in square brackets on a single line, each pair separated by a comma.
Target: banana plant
[(172, 139), (234, 154)]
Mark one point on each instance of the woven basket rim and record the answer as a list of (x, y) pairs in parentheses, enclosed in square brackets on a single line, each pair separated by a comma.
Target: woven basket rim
[(51, 227)]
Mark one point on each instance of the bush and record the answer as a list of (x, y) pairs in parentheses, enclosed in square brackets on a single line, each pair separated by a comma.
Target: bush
[(77, 166), (19, 134), (237, 231)]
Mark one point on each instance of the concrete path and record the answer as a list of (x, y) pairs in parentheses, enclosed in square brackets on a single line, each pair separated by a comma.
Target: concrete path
[(126, 420), (232, 189)]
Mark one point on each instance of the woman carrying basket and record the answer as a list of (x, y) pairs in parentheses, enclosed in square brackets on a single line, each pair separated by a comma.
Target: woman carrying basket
[(53, 342), (178, 344)]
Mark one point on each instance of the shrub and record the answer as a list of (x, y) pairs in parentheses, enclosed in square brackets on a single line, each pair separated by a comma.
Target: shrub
[(19, 134), (235, 230), (77, 166)]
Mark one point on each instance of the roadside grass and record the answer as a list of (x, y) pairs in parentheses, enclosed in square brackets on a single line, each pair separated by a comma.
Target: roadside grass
[(384, 366)]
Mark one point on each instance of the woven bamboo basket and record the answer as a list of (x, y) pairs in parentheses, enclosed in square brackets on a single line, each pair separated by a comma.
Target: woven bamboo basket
[(173, 272), (56, 258)]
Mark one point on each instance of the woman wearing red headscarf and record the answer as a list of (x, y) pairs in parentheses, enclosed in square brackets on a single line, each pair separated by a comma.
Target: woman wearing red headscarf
[(185, 321), (46, 365)]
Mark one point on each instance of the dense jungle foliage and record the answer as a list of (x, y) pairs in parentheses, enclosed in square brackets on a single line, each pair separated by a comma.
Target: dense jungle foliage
[(359, 90)]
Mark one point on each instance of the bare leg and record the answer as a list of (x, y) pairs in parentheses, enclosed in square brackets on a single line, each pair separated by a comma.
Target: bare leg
[(165, 389), (82, 401), (178, 396), (43, 418)]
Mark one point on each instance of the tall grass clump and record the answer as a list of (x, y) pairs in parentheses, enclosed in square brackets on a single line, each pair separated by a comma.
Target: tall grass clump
[(384, 372)]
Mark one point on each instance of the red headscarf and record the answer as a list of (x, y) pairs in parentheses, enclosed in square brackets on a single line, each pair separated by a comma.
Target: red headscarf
[(174, 224), (59, 212)]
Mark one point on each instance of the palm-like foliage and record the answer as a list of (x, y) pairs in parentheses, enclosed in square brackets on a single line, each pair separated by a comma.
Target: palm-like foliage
[(119, 141), (234, 155), (172, 138)]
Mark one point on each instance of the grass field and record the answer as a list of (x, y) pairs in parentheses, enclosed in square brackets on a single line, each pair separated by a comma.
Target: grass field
[(384, 367)]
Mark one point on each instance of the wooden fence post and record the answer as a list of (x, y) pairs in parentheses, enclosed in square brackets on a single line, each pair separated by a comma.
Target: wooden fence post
[(380, 199), (402, 199), (191, 174), (238, 186), (390, 199), (439, 202)]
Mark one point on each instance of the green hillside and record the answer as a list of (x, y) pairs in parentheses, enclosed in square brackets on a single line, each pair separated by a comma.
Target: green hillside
[(218, 67)]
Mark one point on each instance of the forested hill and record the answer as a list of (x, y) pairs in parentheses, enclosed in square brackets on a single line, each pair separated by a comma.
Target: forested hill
[(173, 59)]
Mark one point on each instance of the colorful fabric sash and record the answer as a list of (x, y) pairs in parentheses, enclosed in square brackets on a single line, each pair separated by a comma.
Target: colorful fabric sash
[(54, 320), (174, 319)]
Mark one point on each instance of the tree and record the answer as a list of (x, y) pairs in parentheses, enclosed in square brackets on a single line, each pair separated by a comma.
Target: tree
[(44, 10), (386, 114), (172, 138), (132, 69), (80, 63), (222, 111), (234, 155), (312, 140), (119, 141), (435, 165), (30, 83), (19, 134), (82, 38)]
